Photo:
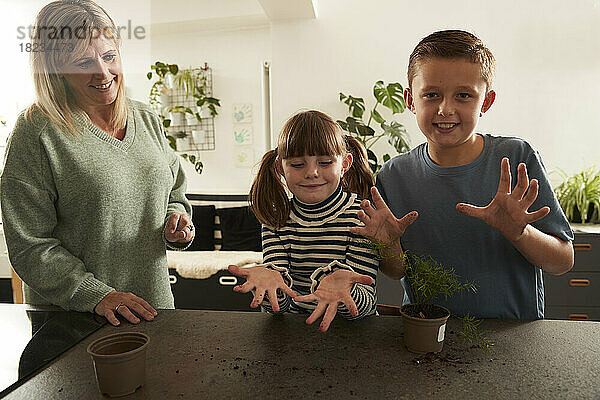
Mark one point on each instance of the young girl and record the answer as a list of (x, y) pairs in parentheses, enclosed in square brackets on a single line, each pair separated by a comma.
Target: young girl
[(307, 244)]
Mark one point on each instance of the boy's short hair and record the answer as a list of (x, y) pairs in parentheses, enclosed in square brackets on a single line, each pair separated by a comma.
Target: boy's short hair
[(453, 44)]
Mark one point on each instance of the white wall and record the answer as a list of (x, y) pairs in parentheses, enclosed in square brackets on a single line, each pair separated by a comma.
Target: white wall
[(548, 64), (236, 59), (547, 51)]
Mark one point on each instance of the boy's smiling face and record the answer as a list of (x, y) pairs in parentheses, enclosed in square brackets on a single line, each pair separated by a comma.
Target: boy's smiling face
[(448, 96)]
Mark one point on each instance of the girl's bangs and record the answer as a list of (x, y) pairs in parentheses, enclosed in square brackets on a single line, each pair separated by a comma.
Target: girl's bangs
[(316, 137)]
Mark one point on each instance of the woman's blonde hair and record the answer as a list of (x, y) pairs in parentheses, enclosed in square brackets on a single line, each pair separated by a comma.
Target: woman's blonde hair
[(63, 31), (306, 133)]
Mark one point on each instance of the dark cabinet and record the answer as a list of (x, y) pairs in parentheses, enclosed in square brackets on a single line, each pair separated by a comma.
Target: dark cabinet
[(576, 294), (213, 293)]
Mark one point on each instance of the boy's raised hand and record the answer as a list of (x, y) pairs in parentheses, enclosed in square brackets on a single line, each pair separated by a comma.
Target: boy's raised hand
[(261, 280), (333, 290), (380, 224), (507, 211)]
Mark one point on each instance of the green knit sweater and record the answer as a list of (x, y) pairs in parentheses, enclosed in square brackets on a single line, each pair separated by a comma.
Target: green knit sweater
[(85, 215)]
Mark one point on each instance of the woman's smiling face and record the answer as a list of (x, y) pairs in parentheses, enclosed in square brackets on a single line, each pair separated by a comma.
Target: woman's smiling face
[(95, 76)]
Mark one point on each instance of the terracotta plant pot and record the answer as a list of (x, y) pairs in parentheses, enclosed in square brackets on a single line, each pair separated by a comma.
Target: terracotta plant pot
[(424, 335), (120, 362)]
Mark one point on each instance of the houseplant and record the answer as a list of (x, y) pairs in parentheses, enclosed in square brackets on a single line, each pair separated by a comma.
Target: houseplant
[(159, 90), (190, 80), (425, 322), (579, 195), (193, 82), (389, 96)]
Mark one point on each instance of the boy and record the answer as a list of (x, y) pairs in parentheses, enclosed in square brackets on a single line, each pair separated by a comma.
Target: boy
[(502, 246)]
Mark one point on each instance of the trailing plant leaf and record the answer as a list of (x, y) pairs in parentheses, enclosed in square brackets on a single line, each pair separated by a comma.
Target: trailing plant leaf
[(472, 333), (172, 142), (193, 82)]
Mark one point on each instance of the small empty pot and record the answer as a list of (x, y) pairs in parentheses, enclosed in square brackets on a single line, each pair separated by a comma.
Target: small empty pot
[(120, 362)]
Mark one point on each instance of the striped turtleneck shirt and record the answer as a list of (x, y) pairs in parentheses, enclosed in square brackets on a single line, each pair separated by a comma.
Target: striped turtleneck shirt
[(314, 242)]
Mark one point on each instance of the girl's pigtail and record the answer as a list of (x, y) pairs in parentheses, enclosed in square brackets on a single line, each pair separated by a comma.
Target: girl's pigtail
[(358, 179), (268, 198)]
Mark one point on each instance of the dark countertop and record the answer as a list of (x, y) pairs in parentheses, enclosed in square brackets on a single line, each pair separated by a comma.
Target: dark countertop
[(31, 337), (226, 355)]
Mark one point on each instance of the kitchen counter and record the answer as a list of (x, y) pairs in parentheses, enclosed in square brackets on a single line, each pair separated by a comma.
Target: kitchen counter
[(32, 337), (227, 355)]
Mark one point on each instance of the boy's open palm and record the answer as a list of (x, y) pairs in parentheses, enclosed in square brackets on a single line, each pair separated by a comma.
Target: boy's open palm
[(261, 280), (333, 290), (507, 211), (380, 224)]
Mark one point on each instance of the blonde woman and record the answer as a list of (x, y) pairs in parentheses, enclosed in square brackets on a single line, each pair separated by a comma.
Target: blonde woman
[(91, 192)]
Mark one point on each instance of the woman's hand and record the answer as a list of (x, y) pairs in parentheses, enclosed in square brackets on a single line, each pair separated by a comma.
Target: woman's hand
[(507, 211), (179, 228), (125, 304), (381, 226), (261, 280), (333, 290)]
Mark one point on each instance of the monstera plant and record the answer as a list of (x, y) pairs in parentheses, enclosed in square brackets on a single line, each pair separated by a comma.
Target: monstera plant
[(390, 98)]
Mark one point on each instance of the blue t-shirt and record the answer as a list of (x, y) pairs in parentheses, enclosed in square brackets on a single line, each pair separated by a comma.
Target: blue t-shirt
[(508, 286)]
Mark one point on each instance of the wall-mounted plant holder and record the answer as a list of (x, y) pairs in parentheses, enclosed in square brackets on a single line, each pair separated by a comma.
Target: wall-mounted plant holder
[(198, 136), (176, 118), (189, 123)]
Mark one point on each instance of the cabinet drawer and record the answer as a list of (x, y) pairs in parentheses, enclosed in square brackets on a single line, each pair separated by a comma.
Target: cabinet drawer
[(213, 293), (573, 313), (587, 252), (573, 289)]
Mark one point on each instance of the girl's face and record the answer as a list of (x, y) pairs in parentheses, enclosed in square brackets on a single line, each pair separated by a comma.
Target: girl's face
[(313, 179)]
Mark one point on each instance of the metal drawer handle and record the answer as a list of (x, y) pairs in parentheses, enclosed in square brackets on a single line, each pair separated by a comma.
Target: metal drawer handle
[(228, 280), (582, 246), (579, 282), (578, 317), (172, 279)]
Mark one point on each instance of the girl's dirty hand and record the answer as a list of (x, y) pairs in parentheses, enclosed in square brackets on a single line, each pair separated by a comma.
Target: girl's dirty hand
[(261, 280), (333, 290)]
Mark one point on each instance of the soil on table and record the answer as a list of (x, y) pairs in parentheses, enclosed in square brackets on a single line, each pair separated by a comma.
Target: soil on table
[(429, 311)]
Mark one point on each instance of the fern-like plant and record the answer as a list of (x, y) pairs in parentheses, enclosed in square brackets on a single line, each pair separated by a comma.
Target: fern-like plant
[(430, 280)]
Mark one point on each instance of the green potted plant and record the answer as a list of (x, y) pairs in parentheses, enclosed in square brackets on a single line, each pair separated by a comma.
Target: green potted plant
[(176, 115), (425, 322), (190, 80), (206, 105), (579, 195), (159, 93), (389, 96), (193, 82)]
